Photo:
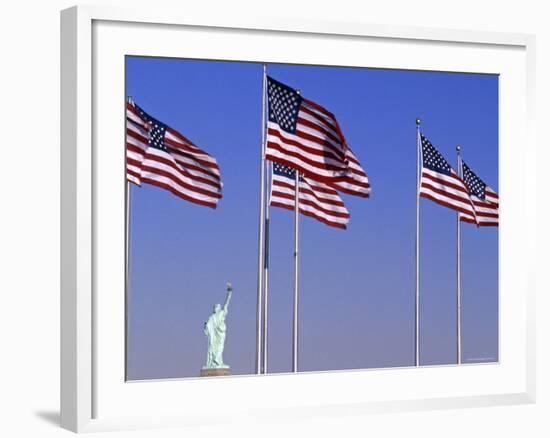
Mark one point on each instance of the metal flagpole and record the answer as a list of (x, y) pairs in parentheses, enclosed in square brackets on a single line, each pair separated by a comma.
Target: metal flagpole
[(127, 274), (458, 274), (296, 242), (266, 266), (296, 229), (417, 285), (261, 235), (128, 191), (127, 271)]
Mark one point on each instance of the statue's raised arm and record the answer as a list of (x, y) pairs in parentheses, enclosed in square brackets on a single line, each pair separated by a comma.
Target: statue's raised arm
[(228, 297)]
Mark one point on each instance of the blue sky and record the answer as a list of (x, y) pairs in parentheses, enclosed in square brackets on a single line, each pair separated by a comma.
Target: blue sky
[(356, 286)]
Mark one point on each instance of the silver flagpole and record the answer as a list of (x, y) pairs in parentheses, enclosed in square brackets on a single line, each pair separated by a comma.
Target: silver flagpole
[(417, 279), (266, 265), (296, 242), (261, 235), (127, 271), (458, 274), (127, 274), (296, 229)]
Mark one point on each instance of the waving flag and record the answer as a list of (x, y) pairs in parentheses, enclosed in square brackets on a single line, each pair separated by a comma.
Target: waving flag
[(316, 199), (303, 135), (440, 183), (484, 199), (355, 180), (159, 155)]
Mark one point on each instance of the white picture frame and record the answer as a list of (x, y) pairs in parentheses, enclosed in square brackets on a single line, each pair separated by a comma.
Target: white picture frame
[(94, 395)]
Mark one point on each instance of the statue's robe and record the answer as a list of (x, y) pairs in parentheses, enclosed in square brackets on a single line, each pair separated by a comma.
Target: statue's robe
[(215, 329)]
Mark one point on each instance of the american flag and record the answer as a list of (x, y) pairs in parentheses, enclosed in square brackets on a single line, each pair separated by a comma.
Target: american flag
[(316, 199), (303, 135), (161, 156), (484, 198), (440, 183)]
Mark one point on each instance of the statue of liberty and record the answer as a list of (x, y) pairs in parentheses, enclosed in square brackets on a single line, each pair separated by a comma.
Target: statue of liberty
[(215, 330)]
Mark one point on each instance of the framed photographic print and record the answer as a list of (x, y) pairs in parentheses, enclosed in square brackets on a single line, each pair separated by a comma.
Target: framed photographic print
[(253, 208)]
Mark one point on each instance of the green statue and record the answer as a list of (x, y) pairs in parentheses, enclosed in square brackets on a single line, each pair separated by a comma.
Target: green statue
[(215, 330)]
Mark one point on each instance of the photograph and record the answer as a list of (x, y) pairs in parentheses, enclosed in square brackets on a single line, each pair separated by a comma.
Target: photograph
[(285, 218)]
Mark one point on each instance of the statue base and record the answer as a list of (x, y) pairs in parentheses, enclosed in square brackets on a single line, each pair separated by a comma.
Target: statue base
[(213, 372)]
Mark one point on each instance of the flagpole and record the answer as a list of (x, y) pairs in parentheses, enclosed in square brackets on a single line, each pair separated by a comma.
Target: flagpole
[(127, 274), (261, 235), (127, 267), (266, 268), (417, 249), (458, 274), (296, 241)]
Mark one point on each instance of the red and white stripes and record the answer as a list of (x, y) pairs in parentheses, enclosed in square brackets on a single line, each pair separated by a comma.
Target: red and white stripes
[(447, 190), (486, 210), (316, 200), (318, 150), (179, 167)]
